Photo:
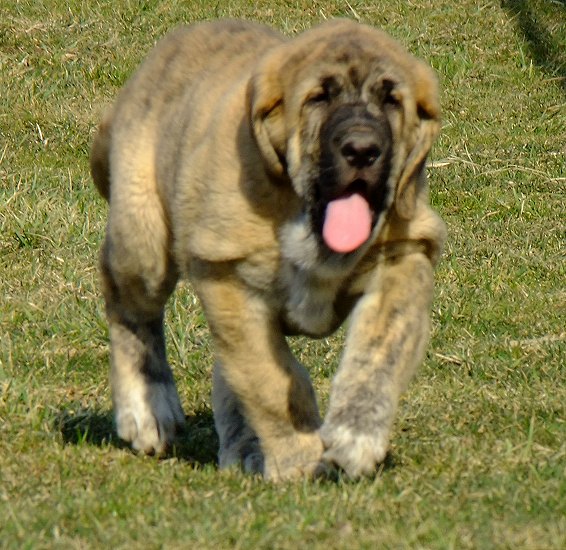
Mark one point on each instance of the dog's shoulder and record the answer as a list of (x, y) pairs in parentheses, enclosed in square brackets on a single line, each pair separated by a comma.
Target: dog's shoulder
[(203, 42), (191, 61)]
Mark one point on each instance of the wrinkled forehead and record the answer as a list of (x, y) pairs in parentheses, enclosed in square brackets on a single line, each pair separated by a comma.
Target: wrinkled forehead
[(351, 58), (347, 68)]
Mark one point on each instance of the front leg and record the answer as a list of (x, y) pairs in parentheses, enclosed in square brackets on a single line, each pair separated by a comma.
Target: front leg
[(239, 444), (260, 389), (386, 341)]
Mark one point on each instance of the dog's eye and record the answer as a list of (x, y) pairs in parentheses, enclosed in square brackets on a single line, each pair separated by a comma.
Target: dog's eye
[(320, 95), (390, 93), (328, 90), (391, 98)]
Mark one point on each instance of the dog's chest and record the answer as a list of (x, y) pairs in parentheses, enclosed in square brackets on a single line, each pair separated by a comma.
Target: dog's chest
[(309, 303)]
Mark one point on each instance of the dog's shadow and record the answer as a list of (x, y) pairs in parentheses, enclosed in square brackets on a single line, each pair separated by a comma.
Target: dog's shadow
[(197, 444)]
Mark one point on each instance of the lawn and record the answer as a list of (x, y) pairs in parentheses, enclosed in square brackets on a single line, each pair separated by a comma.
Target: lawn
[(478, 456)]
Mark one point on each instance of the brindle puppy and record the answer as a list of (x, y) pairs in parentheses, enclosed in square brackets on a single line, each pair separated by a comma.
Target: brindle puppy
[(286, 179)]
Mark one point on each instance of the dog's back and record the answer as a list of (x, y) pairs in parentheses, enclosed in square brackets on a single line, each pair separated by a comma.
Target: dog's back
[(175, 72)]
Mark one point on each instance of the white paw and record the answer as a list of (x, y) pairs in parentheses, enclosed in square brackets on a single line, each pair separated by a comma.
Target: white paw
[(357, 454), (149, 416)]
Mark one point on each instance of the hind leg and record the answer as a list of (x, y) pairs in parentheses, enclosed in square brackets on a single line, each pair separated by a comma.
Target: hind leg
[(138, 277), (239, 444)]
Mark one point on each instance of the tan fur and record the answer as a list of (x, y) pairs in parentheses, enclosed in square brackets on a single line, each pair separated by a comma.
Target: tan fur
[(211, 161)]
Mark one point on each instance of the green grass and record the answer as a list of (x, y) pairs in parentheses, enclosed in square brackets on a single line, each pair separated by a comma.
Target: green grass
[(479, 449)]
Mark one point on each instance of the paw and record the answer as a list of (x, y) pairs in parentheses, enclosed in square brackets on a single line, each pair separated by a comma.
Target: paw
[(245, 453), (149, 417), (358, 454), (293, 458)]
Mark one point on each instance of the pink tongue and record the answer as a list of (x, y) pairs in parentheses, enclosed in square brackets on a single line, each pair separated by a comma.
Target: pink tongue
[(347, 223)]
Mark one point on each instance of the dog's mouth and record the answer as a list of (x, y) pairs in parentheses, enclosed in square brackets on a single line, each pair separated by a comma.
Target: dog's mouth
[(348, 219), (352, 191)]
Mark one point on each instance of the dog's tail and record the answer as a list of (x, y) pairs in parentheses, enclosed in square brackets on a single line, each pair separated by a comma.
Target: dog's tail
[(99, 159)]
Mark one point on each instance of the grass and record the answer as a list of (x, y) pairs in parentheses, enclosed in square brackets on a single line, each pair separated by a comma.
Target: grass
[(478, 453)]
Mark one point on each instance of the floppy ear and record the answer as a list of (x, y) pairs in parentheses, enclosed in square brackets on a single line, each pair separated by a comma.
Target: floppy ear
[(427, 113), (267, 119)]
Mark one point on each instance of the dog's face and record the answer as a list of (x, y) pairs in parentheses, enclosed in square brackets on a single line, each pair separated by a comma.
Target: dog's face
[(345, 175), (347, 117)]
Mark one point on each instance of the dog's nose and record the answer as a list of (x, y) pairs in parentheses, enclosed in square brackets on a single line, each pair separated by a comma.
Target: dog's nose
[(360, 149)]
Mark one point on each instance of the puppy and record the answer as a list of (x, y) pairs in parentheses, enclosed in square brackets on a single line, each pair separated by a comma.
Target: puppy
[(286, 179)]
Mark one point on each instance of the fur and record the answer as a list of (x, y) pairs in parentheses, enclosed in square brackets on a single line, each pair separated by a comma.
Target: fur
[(218, 160)]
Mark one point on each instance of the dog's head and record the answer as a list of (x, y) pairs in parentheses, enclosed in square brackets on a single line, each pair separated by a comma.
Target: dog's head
[(348, 117)]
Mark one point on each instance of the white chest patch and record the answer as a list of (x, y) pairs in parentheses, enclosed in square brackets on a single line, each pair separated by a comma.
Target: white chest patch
[(311, 284), (310, 302)]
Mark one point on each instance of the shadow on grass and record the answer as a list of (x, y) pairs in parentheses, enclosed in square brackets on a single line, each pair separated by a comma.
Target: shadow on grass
[(197, 444), (544, 45)]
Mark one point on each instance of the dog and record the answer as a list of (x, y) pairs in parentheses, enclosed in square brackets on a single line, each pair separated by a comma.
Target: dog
[(286, 179)]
